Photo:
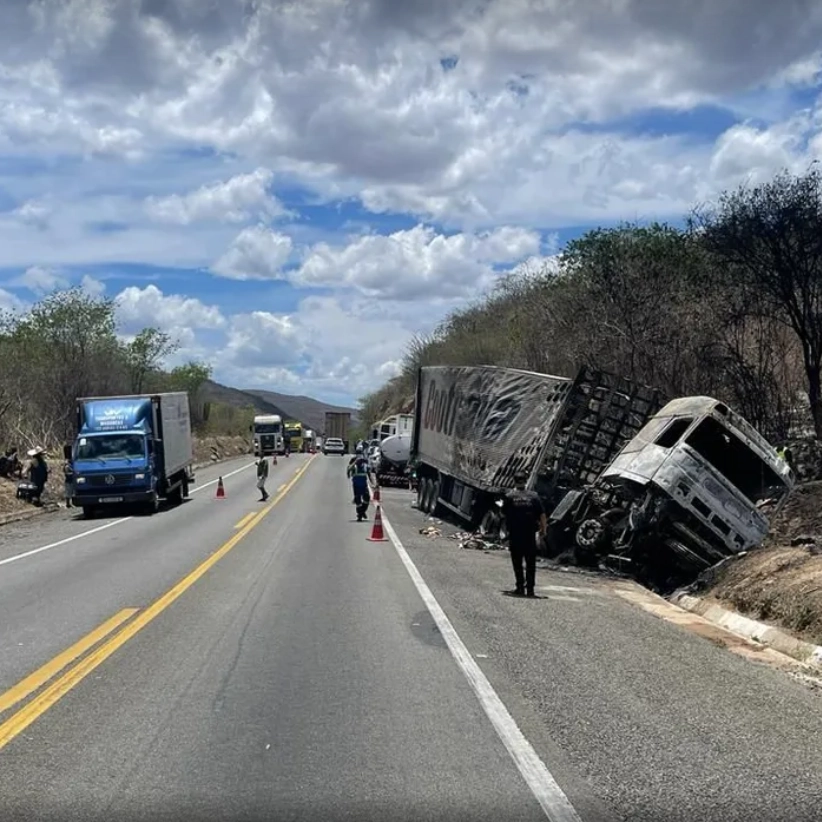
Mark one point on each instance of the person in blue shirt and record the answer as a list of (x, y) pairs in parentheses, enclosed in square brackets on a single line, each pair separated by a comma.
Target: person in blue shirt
[(358, 473)]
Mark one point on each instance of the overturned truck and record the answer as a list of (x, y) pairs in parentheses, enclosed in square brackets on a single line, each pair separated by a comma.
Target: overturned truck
[(661, 491)]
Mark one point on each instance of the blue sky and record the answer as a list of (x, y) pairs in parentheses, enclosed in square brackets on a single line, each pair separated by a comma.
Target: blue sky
[(294, 194)]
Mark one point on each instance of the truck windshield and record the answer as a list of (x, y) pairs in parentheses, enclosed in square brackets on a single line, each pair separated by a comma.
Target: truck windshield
[(111, 446), (267, 428), (741, 467)]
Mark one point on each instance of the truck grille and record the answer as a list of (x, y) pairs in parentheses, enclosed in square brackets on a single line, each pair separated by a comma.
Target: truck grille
[(118, 479)]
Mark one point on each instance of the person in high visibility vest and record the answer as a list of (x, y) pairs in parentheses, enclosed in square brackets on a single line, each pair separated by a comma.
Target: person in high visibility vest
[(358, 472)]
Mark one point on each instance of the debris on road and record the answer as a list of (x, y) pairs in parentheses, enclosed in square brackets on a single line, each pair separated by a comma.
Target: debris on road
[(431, 531)]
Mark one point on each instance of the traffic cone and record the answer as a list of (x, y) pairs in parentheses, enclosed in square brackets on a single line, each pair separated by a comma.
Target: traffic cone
[(377, 534), (376, 496), (220, 489), (274, 459)]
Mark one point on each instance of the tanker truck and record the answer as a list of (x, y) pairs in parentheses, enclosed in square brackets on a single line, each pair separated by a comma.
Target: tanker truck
[(392, 458)]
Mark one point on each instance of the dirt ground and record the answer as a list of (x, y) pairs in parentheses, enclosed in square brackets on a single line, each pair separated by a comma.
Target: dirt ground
[(208, 449), (781, 583)]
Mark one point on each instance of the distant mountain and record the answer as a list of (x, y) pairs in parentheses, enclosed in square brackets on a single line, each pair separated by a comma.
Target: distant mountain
[(214, 392), (310, 412)]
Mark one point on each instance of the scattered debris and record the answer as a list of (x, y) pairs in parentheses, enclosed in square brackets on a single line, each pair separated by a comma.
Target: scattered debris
[(431, 531)]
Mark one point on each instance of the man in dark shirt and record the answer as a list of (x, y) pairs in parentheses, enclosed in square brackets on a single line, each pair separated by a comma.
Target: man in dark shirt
[(524, 515)]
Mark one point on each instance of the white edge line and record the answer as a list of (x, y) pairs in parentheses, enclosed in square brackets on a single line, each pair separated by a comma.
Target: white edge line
[(108, 524), (551, 797)]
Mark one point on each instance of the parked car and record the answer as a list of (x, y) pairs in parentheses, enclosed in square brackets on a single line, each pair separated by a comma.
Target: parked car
[(334, 445)]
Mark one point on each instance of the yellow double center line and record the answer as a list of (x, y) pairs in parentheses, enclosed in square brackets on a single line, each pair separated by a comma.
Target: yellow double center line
[(29, 713)]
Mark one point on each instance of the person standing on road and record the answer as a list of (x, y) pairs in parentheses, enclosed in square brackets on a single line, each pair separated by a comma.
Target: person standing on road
[(262, 476), (358, 472), (524, 515)]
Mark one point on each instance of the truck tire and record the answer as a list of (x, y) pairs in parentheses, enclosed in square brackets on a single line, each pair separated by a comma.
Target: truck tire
[(176, 496), (490, 524), (422, 490), (88, 512), (434, 505)]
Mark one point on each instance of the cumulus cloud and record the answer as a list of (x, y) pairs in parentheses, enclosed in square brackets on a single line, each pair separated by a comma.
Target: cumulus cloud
[(257, 253), (10, 302), (416, 263), (149, 306), (92, 286), (41, 280), (488, 122), (330, 346), (235, 200)]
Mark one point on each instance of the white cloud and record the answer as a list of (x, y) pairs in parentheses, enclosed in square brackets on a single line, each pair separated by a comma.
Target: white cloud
[(41, 280), (34, 213), (257, 253), (417, 263), (92, 286), (122, 116), (338, 347), (10, 302), (141, 307), (369, 110), (238, 199)]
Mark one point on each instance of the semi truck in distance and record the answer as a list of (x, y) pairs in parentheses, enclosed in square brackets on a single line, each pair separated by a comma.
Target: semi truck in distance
[(294, 431), (131, 449), (268, 434), (337, 424)]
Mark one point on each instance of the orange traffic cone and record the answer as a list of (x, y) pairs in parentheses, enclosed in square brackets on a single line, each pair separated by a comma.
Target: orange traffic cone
[(377, 534), (274, 459), (220, 489), (376, 497)]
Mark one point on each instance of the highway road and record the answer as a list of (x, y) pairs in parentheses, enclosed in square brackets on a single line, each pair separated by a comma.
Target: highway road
[(237, 660)]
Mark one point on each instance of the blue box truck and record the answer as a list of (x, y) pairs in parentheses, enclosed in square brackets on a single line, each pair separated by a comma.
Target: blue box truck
[(131, 450)]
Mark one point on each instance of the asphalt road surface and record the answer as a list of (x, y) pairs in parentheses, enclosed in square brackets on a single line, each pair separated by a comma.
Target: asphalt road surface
[(234, 660)]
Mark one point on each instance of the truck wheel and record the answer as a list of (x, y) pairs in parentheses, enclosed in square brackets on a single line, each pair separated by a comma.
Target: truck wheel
[(434, 504), (490, 524), (422, 488), (88, 512)]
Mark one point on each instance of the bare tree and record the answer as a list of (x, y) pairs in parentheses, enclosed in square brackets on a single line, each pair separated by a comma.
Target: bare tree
[(768, 238)]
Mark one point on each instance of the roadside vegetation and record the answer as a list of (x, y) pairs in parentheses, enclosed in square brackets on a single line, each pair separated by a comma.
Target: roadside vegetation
[(67, 346), (729, 304)]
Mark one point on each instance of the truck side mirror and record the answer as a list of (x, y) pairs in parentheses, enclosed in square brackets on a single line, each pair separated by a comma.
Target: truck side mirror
[(67, 453)]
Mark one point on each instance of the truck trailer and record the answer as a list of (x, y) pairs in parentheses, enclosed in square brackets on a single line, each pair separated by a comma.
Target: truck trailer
[(476, 427), (131, 449), (662, 490), (337, 424)]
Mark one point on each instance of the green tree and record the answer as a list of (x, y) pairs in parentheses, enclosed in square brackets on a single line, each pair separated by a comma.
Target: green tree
[(145, 354), (768, 240)]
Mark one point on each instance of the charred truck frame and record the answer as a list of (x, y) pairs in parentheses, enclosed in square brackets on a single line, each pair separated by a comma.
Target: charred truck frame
[(625, 480)]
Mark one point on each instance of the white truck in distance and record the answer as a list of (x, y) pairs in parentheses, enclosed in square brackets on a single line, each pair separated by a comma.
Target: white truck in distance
[(268, 435)]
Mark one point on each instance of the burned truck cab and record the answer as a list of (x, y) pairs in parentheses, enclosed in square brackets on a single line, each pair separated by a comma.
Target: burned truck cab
[(696, 485)]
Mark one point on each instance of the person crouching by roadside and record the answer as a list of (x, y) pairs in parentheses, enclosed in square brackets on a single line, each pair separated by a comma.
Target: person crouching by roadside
[(38, 473), (262, 476)]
